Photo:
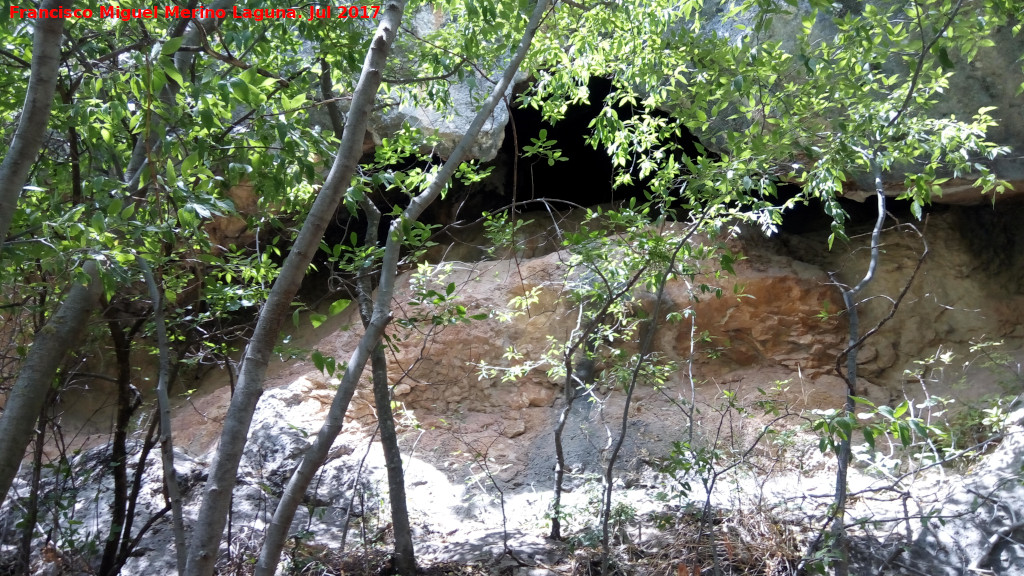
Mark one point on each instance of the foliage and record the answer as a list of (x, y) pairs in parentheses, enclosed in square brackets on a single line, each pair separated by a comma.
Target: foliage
[(60, 500), (911, 436), (811, 112), (438, 309), (155, 145), (614, 262)]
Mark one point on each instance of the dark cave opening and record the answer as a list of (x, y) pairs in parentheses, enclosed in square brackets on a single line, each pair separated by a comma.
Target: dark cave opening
[(584, 179)]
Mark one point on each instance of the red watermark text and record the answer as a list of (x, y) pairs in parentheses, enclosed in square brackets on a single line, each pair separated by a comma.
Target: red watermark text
[(240, 12)]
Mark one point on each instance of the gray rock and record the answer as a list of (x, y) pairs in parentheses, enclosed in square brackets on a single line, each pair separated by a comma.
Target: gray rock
[(451, 123), (992, 79), (981, 527)]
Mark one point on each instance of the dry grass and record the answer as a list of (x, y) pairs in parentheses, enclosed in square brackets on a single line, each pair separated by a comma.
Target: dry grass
[(751, 544)]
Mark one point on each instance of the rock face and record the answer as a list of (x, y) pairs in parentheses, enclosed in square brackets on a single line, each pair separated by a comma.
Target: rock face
[(774, 324), (786, 324), (992, 79), (968, 291), (979, 536), (782, 327), (448, 124)]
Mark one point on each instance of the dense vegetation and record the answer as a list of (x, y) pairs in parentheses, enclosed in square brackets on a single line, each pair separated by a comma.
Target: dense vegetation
[(128, 138)]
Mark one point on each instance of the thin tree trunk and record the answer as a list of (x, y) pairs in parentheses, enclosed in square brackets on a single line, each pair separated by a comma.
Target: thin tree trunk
[(317, 453), (23, 562), (645, 350), (405, 555), (128, 542), (570, 395), (193, 36), (839, 542), (333, 110), (119, 445), (35, 115), (164, 407), (563, 417), (52, 342), (217, 497)]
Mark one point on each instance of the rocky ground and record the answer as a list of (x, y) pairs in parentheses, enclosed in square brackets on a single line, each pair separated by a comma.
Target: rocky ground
[(766, 510)]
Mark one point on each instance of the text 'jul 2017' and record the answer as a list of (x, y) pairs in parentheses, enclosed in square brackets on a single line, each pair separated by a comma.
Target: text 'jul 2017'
[(240, 12)]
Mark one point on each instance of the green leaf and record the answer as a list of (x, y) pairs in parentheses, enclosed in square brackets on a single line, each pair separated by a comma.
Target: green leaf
[(249, 76), (943, 57), (904, 433), (169, 173), (337, 306), (864, 401), (845, 425), (918, 427), (189, 163), (240, 89), (317, 319), (869, 437), (171, 46), (187, 218), (158, 82), (171, 71), (114, 207), (808, 21)]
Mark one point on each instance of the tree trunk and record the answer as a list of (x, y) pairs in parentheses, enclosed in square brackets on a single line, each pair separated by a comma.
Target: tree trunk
[(23, 563), (193, 36), (570, 392), (315, 456), (646, 343), (556, 503), (839, 543), (51, 343), (405, 557), (35, 115), (164, 408), (217, 497), (119, 443)]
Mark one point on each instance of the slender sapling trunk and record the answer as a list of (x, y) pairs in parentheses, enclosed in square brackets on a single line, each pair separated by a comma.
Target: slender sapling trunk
[(839, 543)]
